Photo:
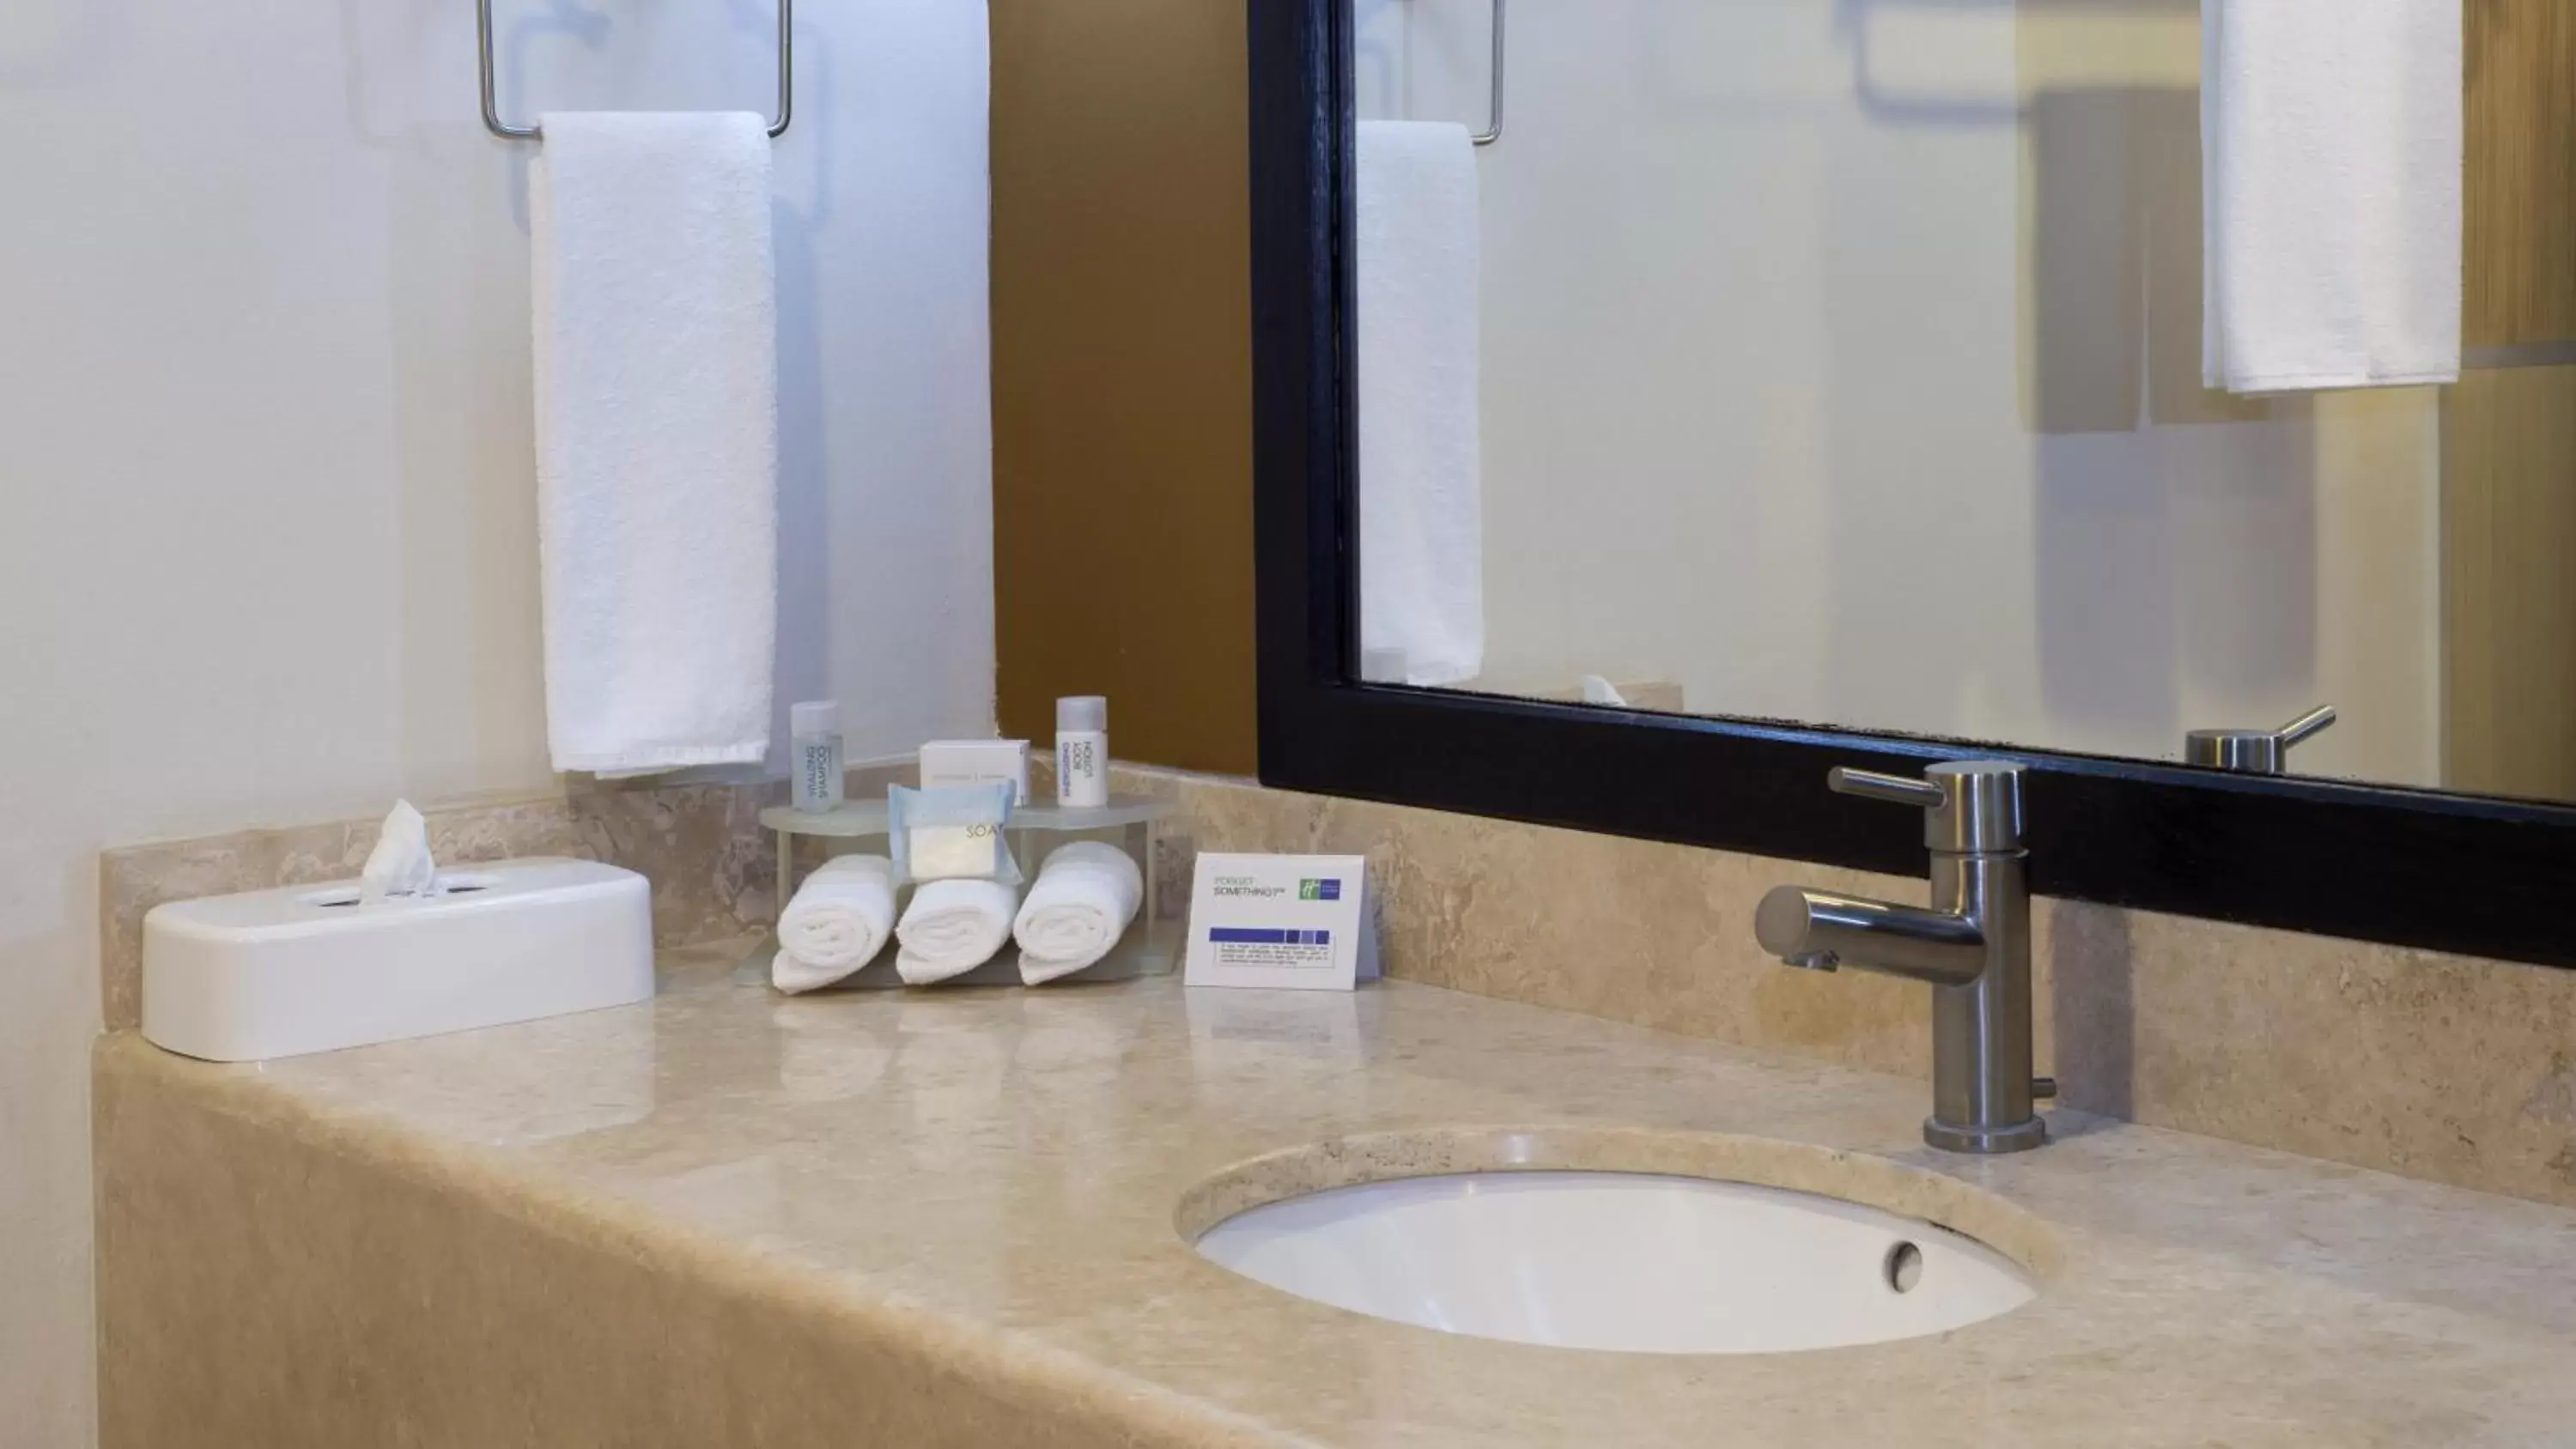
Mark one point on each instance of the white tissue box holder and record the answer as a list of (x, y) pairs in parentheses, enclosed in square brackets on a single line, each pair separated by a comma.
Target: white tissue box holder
[(279, 973)]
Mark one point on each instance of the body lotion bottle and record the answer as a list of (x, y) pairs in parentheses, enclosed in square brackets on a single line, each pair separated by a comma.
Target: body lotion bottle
[(1082, 752)]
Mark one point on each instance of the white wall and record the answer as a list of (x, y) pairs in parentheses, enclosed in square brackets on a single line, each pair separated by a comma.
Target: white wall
[(1841, 363), (266, 536)]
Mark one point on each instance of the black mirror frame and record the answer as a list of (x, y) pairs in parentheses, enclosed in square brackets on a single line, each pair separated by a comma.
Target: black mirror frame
[(2475, 875)]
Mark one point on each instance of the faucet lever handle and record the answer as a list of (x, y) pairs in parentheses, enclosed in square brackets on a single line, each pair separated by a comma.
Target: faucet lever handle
[(1970, 807), (1894, 789), (2305, 725)]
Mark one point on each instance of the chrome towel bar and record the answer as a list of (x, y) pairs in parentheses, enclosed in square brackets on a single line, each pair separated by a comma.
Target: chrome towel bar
[(491, 91), (1494, 131)]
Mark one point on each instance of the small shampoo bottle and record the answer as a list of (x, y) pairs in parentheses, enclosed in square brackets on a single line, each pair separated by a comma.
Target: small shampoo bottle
[(1082, 752), (816, 751)]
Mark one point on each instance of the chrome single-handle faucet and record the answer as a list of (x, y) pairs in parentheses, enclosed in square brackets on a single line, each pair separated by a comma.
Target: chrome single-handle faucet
[(1972, 945)]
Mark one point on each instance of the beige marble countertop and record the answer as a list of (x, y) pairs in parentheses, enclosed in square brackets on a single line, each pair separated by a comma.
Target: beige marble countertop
[(1000, 1174)]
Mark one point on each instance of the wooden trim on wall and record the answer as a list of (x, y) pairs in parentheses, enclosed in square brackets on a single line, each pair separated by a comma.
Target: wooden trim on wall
[(2519, 240), (2509, 582)]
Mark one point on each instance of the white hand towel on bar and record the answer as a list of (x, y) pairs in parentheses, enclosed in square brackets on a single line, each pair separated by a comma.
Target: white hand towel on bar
[(837, 922), (952, 927), (1083, 900), (1422, 547), (2331, 141), (657, 438)]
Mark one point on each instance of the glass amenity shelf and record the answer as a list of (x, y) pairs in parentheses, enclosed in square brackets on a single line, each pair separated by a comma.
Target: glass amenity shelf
[(1151, 946), (861, 818)]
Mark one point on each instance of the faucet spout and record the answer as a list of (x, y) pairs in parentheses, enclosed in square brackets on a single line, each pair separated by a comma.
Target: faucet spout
[(1819, 930), (1972, 946)]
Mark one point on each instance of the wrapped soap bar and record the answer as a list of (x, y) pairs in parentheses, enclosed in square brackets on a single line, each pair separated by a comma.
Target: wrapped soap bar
[(953, 833)]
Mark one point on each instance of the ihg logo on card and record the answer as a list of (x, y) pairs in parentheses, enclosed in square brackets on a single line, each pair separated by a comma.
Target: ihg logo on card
[(1281, 922)]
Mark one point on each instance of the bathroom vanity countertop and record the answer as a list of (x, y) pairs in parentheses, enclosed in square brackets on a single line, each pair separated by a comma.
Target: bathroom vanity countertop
[(997, 1175)]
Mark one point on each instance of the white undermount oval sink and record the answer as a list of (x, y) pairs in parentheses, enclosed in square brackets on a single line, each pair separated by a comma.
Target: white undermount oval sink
[(1628, 1262)]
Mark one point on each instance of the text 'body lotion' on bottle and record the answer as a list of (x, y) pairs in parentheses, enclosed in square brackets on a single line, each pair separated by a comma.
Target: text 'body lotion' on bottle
[(1082, 752)]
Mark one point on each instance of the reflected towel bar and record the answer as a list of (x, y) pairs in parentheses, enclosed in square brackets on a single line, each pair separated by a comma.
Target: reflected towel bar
[(1494, 131), (786, 73)]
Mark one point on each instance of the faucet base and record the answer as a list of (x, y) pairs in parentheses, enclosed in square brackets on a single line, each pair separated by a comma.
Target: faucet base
[(1985, 1141)]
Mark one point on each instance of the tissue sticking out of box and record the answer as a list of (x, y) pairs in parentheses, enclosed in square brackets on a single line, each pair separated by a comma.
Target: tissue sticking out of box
[(400, 864)]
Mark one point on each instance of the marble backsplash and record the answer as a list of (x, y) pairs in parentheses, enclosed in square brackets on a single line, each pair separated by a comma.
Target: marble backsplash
[(2446, 1068)]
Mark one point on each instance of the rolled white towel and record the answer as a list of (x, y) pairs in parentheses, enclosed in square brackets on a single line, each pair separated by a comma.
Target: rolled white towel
[(1084, 898), (952, 927), (836, 924)]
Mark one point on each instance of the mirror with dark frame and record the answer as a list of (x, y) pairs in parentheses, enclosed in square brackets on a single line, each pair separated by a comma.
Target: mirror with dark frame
[(1662, 402)]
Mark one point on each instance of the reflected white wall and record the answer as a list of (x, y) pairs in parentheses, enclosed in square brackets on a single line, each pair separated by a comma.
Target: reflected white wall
[(1842, 364)]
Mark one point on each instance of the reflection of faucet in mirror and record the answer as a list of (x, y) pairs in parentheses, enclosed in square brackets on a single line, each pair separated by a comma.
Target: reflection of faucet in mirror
[(1972, 946), (2254, 752)]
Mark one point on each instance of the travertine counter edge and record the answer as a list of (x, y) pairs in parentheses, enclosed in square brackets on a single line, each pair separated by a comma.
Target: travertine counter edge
[(1058, 1398)]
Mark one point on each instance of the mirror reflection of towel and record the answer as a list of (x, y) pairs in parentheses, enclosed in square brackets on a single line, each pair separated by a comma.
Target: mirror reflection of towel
[(1422, 567), (2331, 134)]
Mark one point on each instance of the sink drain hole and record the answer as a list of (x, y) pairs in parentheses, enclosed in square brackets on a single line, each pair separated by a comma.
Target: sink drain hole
[(1903, 1267)]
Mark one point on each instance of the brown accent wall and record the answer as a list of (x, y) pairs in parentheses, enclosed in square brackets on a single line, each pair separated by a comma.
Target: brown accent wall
[(2521, 181), (2508, 595), (2509, 436), (1122, 373)]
